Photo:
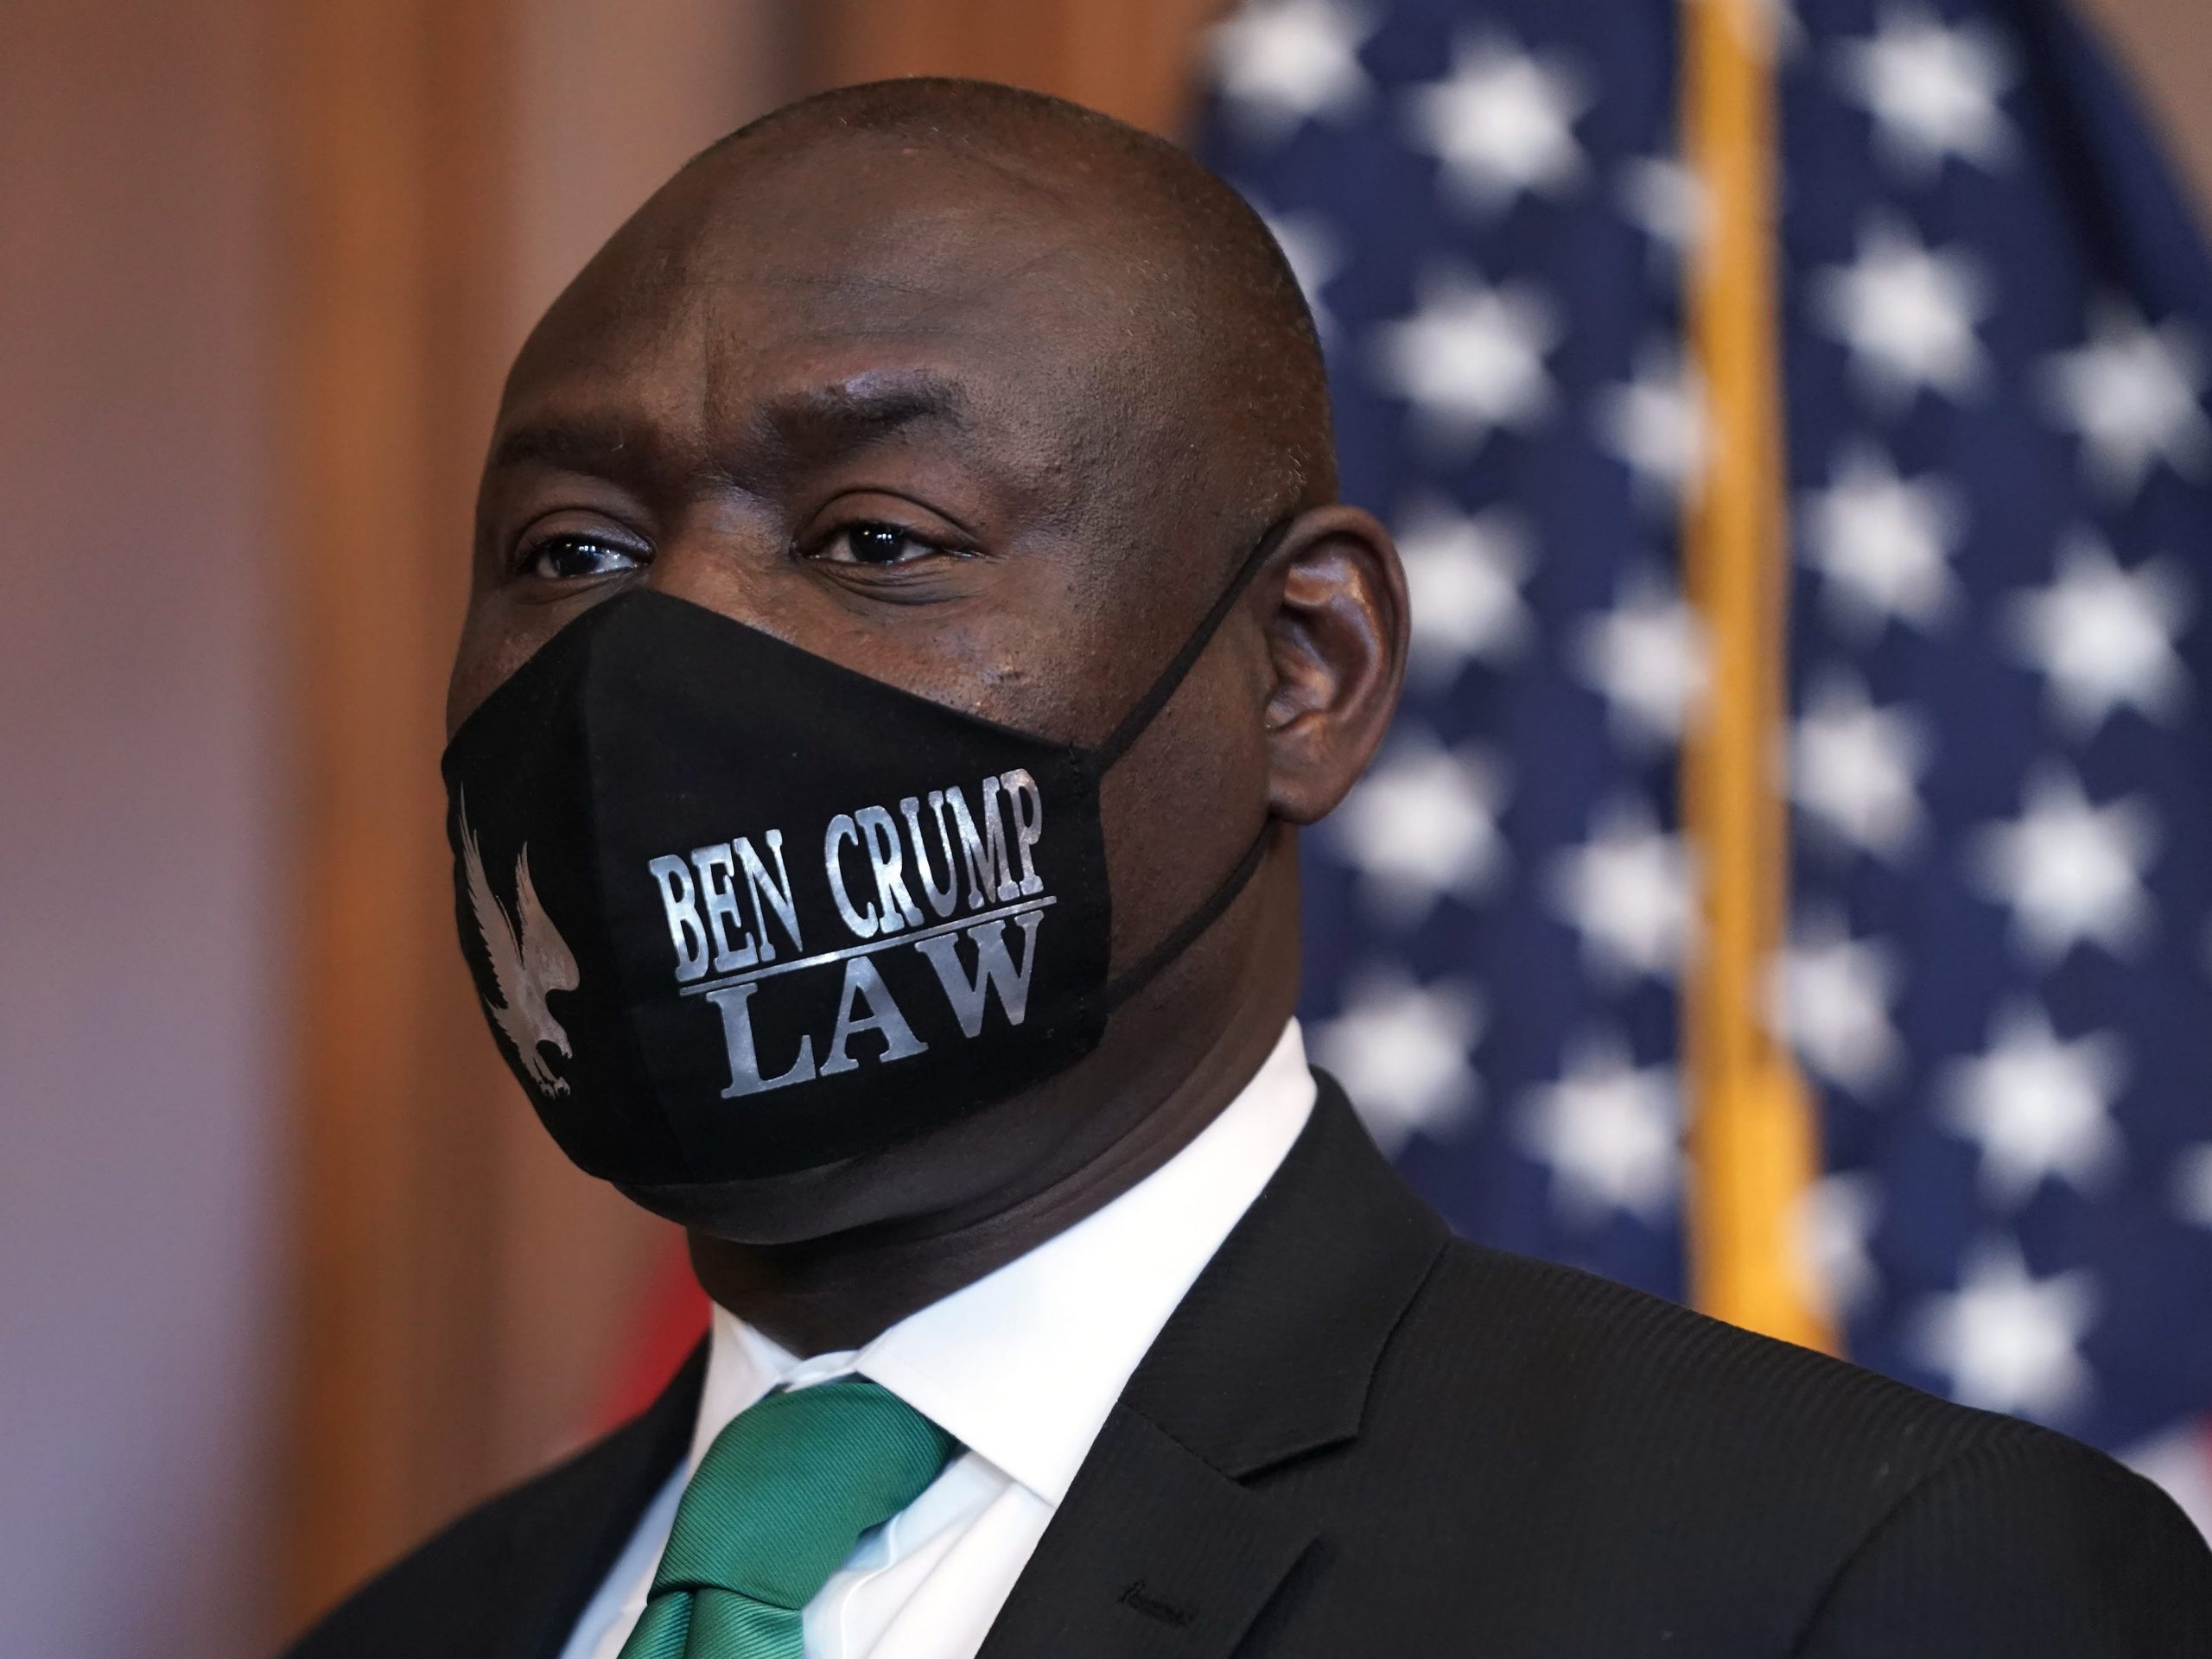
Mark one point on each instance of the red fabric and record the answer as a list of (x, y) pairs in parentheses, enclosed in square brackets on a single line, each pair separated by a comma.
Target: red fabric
[(671, 1317)]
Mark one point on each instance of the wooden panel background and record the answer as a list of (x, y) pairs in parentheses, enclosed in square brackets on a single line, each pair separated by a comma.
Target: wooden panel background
[(447, 163), (1130, 58), (394, 203)]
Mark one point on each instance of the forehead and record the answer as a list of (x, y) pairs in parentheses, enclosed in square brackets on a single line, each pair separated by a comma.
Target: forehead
[(752, 281)]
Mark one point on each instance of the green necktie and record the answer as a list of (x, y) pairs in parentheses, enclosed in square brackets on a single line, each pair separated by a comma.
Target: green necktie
[(780, 1500)]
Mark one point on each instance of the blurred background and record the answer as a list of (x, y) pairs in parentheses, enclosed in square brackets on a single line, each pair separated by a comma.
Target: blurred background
[(288, 1273)]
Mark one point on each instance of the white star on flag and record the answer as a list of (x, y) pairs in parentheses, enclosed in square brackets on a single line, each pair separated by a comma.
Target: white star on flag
[(1831, 1228), (1854, 769), (1464, 577), (1933, 90), (1627, 892), (2069, 872), (1655, 424), (1402, 1051), (1610, 1134), (2009, 1342), (1907, 315), (2192, 1185), (2039, 1109), (1771, 28), (1646, 657), (1829, 997), (1502, 123), (2104, 637), (1470, 358), (2174, 1458), (1279, 63), (1883, 544), (1782, 29), (1314, 254), (2132, 392), (1422, 825), (1665, 200)]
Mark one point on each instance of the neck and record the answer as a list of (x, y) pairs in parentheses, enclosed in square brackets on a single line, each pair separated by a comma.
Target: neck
[(1105, 1127)]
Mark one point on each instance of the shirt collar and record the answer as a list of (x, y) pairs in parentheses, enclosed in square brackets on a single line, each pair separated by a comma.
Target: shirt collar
[(1024, 1365)]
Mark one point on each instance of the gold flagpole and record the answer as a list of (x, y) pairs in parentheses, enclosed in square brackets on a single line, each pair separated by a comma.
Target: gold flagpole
[(1754, 1144)]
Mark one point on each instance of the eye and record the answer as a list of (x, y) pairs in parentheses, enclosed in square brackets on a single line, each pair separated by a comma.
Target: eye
[(876, 544), (578, 557)]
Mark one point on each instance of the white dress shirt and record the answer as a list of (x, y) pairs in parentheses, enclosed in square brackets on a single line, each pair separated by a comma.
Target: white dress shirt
[(1022, 1367)]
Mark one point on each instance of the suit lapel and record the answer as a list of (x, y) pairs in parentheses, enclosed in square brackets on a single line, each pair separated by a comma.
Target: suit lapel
[(562, 1547), (1154, 1553), (1165, 1549)]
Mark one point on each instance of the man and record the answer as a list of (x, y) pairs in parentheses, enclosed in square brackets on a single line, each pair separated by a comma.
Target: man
[(912, 616)]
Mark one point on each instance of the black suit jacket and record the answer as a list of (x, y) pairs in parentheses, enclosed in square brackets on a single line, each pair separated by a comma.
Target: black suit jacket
[(1357, 1437)]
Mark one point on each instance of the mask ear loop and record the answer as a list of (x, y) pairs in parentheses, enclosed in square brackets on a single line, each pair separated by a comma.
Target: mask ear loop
[(1149, 705), (1118, 989)]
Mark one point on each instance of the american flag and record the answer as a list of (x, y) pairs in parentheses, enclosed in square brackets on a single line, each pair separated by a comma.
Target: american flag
[(1994, 338)]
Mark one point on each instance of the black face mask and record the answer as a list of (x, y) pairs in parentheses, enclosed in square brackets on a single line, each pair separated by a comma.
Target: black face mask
[(736, 910)]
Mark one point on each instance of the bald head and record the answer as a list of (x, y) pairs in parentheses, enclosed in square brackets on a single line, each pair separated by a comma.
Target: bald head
[(1211, 304), (1190, 378)]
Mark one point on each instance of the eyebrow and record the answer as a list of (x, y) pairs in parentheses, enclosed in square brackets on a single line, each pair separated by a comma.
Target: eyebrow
[(811, 424), (587, 446)]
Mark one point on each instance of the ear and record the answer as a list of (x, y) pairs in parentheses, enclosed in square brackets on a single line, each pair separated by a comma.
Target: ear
[(1337, 645)]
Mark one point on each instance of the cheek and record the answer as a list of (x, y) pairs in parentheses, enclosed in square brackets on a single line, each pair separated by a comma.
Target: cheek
[(494, 643), (1183, 806)]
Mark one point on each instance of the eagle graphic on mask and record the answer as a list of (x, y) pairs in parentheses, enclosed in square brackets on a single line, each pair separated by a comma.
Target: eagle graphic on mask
[(529, 959)]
